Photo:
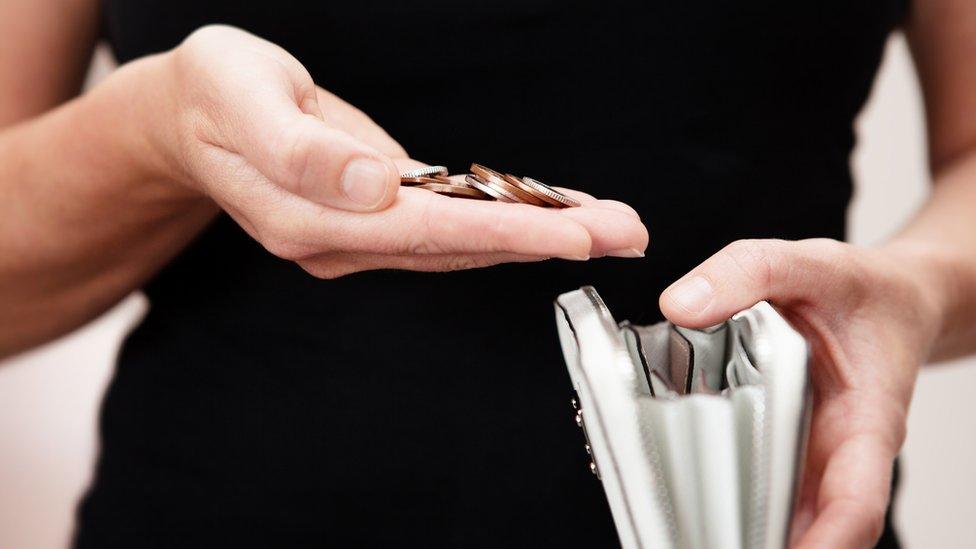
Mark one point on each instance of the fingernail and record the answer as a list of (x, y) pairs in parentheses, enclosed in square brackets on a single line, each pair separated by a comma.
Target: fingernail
[(364, 181), (693, 295), (575, 257), (629, 252)]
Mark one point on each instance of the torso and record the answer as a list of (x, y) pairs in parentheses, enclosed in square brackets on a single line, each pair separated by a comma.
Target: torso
[(257, 403)]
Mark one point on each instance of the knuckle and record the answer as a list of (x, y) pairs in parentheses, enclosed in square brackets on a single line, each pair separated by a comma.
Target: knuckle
[(420, 247), (754, 260), (294, 160), (329, 266), (330, 269), (199, 44), (499, 235), (843, 264), (284, 249), (280, 242), (831, 252), (208, 35), (461, 263), (420, 236)]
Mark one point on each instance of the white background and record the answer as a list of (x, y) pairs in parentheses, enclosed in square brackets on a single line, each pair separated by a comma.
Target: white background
[(49, 397)]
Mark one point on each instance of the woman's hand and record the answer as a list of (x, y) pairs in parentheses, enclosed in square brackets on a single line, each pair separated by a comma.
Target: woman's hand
[(316, 181), (871, 318)]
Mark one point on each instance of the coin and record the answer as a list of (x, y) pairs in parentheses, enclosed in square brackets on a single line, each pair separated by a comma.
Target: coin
[(484, 173), (422, 180), (564, 200), (535, 197), (544, 198), (498, 181), (458, 191), (486, 183), (429, 171), (484, 187), (449, 181), (501, 188)]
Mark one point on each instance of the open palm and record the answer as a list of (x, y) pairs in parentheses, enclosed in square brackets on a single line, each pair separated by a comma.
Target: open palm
[(316, 181)]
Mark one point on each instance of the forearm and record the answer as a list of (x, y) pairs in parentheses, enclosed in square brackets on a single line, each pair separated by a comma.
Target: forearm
[(86, 216), (940, 245)]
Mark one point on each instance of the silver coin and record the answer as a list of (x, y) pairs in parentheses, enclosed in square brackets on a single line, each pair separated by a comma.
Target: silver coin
[(429, 171), (563, 199), (484, 187), (539, 195)]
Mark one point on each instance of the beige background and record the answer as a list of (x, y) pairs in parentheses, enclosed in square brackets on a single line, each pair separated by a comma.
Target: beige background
[(49, 397)]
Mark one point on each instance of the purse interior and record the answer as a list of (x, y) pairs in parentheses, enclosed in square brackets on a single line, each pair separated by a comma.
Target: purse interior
[(673, 361)]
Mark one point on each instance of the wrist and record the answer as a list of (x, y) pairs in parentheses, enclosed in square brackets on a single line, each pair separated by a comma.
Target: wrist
[(136, 108), (934, 273)]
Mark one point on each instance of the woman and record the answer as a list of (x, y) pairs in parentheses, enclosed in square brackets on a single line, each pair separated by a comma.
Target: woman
[(384, 390)]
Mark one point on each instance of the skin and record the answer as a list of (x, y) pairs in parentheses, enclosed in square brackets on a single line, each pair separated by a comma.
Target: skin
[(227, 121), (872, 315)]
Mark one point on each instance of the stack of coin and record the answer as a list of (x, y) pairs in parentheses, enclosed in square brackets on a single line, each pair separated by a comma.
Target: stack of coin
[(486, 184)]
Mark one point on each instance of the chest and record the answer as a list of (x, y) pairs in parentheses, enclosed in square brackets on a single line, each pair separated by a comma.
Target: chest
[(448, 33)]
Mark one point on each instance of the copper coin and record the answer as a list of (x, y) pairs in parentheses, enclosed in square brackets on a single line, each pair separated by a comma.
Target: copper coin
[(422, 180), (457, 191), (448, 181), (429, 171), (523, 195), (497, 180), (564, 200), (509, 197), (534, 197), (517, 181), (501, 189), (484, 187)]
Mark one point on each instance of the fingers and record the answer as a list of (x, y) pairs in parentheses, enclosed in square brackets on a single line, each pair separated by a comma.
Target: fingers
[(335, 265), (612, 232), (590, 201), (853, 495), (748, 271), (433, 224), (419, 222), (322, 164), (615, 228), (297, 166)]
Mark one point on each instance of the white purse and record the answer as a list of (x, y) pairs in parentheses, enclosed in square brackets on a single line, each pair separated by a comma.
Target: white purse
[(697, 435)]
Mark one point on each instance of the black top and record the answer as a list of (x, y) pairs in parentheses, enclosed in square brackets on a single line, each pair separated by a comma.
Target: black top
[(256, 403)]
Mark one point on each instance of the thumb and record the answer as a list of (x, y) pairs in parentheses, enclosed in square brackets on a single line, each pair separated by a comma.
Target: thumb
[(323, 164), (260, 103), (279, 129), (745, 273)]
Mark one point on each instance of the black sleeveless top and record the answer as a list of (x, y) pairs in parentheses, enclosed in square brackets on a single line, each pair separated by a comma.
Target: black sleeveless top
[(258, 405)]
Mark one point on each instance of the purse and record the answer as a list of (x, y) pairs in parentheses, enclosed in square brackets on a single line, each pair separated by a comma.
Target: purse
[(697, 435)]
